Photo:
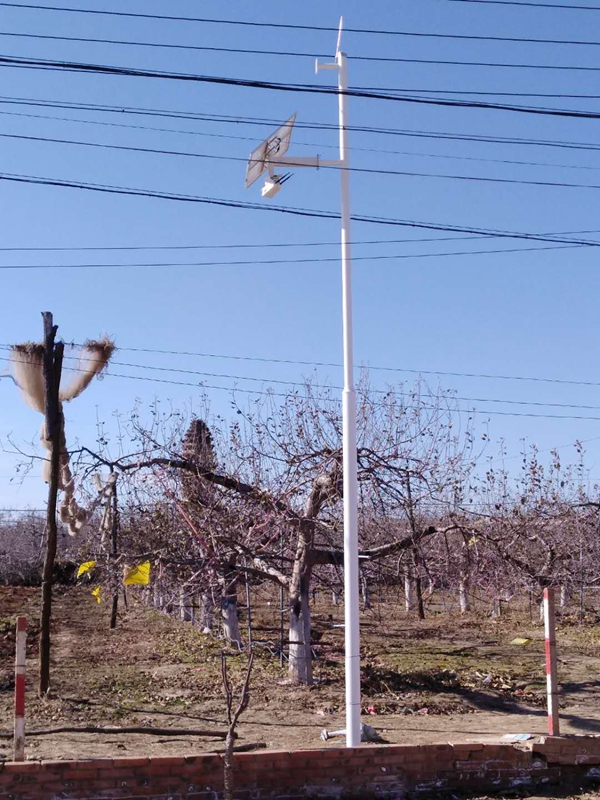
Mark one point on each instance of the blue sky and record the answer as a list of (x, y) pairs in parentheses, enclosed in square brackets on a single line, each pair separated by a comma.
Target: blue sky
[(530, 314)]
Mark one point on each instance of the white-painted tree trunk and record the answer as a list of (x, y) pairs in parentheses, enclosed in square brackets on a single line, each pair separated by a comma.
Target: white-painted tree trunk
[(564, 596), (185, 609), (334, 597), (366, 596), (300, 664), (464, 601), (231, 625), (207, 608)]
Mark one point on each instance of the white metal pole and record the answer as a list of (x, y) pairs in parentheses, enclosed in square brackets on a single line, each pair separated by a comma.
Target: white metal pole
[(351, 604)]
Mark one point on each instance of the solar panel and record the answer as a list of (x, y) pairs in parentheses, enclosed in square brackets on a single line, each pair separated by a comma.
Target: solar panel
[(276, 144)]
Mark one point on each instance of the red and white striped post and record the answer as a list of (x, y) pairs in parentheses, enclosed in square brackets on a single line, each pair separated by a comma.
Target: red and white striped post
[(20, 651), (551, 668)]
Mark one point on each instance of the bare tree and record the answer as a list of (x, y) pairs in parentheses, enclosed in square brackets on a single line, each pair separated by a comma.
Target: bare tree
[(233, 716)]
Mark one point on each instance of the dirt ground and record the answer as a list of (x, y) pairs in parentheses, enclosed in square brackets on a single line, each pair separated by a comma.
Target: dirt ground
[(449, 678)]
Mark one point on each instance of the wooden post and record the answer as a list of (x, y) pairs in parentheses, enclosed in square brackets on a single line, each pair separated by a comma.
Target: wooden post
[(52, 368), (20, 654), (551, 668)]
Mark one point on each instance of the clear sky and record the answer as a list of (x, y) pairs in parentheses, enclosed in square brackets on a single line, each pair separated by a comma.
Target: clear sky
[(520, 313)]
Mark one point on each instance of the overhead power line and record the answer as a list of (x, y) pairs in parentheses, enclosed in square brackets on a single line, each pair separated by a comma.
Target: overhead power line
[(261, 121), (290, 26), (363, 170), (295, 54), (242, 245), (102, 69), (236, 389), (371, 367), (328, 398), (338, 365), (302, 212), (514, 162), (262, 245), (448, 395), (563, 6), (271, 262)]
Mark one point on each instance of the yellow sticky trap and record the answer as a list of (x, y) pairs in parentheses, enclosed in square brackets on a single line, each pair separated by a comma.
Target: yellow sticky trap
[(87, 566), (520, 641), (97, 593), (137, 576)]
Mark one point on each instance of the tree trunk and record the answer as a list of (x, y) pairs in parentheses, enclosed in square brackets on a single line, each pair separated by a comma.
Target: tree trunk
[(420, 604), (300, 651), (464, 601), (365, 592), (207, 608), (409, 591), (229, 608), (114, 552), (231, 624), (418, 584), (228, 767), (564, 596), (185, 610), (52, 368)]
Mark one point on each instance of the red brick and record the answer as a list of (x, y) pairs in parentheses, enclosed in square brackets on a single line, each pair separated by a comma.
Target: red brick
[(131, 762), (467, 747), (469, 766), (392, 758), (82, 774), (409, 749), (19, 767), (582, 758), (443, 765)]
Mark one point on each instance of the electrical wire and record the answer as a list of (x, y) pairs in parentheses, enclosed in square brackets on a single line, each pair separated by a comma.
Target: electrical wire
[(265, 245), (243, 245), (302, 212), (272, 262), (261, 121), (444, 397), (564, 7), (363, 170), (277, 381), (290, 26), (370, 367), (286, 53), (328, 387), (280, 382), (287, 395), (102, 69), (316, 145)]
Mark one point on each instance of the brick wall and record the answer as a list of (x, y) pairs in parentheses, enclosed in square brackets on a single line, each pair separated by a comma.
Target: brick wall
[(333, 772)]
